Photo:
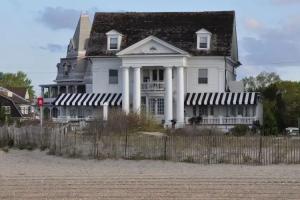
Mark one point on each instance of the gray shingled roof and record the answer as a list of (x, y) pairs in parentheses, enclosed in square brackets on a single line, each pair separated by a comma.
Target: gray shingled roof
[(176, 28)]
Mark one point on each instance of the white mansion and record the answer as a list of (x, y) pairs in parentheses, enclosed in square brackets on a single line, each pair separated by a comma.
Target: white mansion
[(178, 67)]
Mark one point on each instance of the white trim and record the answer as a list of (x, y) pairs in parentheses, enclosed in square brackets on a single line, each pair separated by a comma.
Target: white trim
[(114, 34), (144, 41), (204, 33)]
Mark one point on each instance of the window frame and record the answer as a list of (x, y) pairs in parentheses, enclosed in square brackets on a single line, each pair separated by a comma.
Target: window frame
[(203, 34), (206, 42), (6, 109), (202, 80), (115, 47), (114, 35), (113, 81)]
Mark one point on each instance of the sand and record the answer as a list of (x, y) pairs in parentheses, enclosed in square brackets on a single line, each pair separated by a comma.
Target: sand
[(35, 175)]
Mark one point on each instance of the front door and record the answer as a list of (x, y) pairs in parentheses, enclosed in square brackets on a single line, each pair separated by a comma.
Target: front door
[(156, 106)]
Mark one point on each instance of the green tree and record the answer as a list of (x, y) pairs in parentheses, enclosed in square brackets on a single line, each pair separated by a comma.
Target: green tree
[(270, 122), (18, 79), (290, 92), (281, 100), (261, 81), (2, 116)]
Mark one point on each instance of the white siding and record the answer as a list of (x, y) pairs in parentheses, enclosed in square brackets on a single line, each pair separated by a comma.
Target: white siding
[(216, 74), (100, 68)]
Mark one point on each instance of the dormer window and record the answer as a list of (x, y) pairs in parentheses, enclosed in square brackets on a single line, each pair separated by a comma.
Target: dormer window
[(113, 43), (203, 43), (114, 39), (203, 39)]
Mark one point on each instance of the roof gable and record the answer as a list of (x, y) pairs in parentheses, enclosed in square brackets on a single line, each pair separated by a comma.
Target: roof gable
[(151, 46), (113, 32), (203, 31), (175, 28)]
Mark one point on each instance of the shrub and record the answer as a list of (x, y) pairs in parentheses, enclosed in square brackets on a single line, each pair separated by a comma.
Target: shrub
[(189, 159), (240, 130), (118, 123), (5, 149), (195, 131)]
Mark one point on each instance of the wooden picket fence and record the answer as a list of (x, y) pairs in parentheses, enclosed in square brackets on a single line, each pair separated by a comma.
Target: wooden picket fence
[(258, 150)]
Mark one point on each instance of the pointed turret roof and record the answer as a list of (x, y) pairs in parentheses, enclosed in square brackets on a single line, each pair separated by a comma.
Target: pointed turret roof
[(81, 35)]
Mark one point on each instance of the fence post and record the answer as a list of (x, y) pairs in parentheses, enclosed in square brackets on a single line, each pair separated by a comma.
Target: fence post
[(210, 141), (74, 150), (260, 150), (54, 140), (165, 147), (126, 142)]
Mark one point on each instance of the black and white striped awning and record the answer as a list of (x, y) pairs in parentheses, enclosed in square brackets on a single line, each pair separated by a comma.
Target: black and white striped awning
[(88, 99), (227, 98)]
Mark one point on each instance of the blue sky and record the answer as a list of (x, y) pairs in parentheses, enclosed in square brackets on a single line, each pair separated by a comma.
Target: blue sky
[(34, 33)]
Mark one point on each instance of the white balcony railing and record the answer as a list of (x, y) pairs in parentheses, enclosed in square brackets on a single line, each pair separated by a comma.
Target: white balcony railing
[(153, 86), (66, 119), (225, 120)]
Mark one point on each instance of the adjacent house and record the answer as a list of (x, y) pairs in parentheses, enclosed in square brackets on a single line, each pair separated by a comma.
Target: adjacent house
[(179, 67), (16, 102)]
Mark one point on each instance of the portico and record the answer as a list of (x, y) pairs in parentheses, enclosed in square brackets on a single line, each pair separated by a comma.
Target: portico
[(160, 57), (167, 93)]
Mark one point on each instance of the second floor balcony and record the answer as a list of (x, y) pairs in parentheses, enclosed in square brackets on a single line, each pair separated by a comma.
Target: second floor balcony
[(153, 86)]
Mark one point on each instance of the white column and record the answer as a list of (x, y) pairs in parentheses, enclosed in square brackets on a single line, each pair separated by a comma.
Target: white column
[(42, 92), (137, 89), (168, 96), (180, 97), (75, 89), (50, 92), (125, 89)]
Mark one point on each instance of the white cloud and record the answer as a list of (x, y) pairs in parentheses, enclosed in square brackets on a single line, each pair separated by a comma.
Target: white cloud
[(253, 24), (57, 18), (53, 48), (279, 45)]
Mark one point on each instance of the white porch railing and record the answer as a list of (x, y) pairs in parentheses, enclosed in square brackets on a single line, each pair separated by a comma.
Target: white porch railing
[(226, 120), (48, 100), (66, 119), (158, 86)]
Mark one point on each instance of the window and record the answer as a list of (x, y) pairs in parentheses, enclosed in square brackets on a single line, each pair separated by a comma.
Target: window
[(80, 112), (24, 110), (113, 44), (152, 103), (157, 75), (160, 106), (67, 69), (203, 42), (7, 110), (154, 75), (113, 76), (161, 75), (232, 111), (114, 39), (157, 106), (212, 111), (143, 104), (194, 111), (203, 39), (203, 76), (146, 75), (203, 111), (73, 112), (240, 110)]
